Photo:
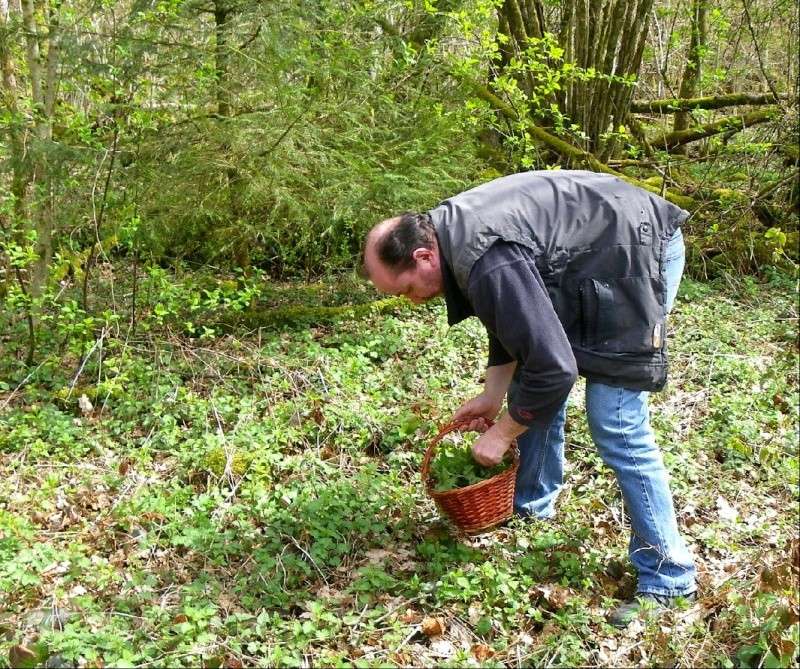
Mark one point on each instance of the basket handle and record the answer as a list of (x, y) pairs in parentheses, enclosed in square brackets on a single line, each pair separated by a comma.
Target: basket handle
[(446, 429)]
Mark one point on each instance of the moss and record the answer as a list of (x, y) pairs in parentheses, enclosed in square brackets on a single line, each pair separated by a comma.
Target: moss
[(271, 317), (729, 196), (216, 459)]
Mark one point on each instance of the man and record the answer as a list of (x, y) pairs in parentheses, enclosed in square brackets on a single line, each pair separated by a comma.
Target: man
[(571, 272)]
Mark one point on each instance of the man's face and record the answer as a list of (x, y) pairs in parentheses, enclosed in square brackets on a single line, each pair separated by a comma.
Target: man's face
[(418, 284)]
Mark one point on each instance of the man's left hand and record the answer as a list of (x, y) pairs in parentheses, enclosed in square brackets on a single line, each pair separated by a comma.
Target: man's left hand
[(490, 448)]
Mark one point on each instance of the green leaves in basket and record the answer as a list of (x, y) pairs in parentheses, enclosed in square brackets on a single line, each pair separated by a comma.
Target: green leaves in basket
[(454, 467)]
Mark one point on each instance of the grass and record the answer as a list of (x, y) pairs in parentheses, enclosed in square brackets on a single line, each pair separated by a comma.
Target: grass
[(252, 497)]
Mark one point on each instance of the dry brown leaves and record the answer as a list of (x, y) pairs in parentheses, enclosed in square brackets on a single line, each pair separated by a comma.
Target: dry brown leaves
[(433, 626)]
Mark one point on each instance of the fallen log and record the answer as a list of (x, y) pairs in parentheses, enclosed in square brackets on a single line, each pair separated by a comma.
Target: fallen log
[(277, 318), (671, 105), (677, 138)]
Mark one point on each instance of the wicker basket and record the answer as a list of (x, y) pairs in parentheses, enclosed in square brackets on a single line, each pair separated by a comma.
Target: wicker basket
[(478, 506)]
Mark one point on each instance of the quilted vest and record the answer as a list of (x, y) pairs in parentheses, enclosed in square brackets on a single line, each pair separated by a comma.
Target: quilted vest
[(598, 244)]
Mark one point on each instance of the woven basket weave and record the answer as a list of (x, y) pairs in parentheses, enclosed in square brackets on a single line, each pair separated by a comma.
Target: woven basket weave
[(478, 506)]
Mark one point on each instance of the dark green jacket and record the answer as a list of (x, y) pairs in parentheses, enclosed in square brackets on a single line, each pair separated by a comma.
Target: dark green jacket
[(599, 247)]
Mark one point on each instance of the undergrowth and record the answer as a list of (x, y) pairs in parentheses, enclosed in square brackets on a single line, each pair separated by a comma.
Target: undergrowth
[(177, 493)]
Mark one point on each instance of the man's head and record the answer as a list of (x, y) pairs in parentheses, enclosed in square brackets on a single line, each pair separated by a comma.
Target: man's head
[(401, 257)]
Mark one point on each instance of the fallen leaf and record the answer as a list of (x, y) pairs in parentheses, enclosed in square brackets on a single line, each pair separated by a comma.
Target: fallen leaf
[(726, 511), (377, 555), (410, 617), (481, 652), (442, 648), (474, 614), (433, 626), (525, 639), (787, 648), (77, 591), (555, 595)]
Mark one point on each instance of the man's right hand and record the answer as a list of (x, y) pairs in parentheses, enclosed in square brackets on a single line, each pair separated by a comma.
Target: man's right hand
[(479, 409)]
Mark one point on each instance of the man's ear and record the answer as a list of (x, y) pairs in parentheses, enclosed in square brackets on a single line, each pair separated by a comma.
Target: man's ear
[(422, 253)]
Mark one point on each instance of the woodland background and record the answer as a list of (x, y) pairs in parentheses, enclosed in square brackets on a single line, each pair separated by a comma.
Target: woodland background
[(211, 428)]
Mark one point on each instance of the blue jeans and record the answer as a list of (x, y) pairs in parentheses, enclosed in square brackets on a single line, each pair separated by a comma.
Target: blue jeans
[(619, 424)]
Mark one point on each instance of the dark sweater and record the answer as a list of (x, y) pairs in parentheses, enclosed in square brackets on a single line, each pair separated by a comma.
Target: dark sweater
[(506, 293)]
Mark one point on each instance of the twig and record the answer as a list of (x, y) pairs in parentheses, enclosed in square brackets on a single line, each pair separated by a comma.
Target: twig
[(98, 218), (85, 360), (311, 559), (21, 383), (768, 189)]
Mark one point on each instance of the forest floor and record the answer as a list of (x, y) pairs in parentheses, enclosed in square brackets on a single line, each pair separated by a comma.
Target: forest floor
[(253, 498)]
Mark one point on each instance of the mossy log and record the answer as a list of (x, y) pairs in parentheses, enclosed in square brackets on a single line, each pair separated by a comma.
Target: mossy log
[(574, 153), (277, 318), (671, 105), (678, 138)]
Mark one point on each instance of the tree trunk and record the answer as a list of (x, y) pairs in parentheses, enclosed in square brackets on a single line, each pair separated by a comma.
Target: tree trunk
[(606, 37), (671, 105), (19, 175), (673, 140), (235, 183), (691, 74), (43, 84)]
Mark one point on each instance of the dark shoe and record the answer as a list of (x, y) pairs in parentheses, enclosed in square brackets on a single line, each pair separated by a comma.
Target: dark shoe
[(645, 602)]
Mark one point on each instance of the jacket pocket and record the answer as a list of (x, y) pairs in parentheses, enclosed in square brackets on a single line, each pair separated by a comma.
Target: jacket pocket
[(622, 315)]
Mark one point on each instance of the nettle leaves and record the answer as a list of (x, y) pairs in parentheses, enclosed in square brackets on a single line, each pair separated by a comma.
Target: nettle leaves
[(454, 467)]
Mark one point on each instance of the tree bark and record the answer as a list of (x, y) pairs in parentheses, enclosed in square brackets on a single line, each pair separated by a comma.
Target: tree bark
[(11, 92), (235, 183), (604, 39), (691, 73), (43, 82), (671, 105), (673, 139)]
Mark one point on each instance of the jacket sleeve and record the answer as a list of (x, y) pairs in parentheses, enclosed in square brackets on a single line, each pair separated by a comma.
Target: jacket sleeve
[(510, 299), (497, 354)]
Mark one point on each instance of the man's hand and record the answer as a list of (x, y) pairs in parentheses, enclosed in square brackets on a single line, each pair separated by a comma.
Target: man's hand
[(492, 445), (490, 449), (480, 408)]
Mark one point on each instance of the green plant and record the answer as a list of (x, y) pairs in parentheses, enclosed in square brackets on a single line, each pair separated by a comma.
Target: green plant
[(454, 467)]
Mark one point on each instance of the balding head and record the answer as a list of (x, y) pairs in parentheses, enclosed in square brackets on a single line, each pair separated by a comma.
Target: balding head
[(401, 257), (376, 238)]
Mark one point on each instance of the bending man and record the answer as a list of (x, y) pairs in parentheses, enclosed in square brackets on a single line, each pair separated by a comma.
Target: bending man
[(570, 272)]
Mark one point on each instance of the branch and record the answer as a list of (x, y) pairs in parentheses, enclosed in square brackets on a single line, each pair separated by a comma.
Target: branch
[(670, 105), (775, 185), (571, 152), (732, 124)]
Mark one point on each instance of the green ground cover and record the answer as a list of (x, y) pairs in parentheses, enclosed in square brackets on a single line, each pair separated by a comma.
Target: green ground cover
[(249, 496)]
